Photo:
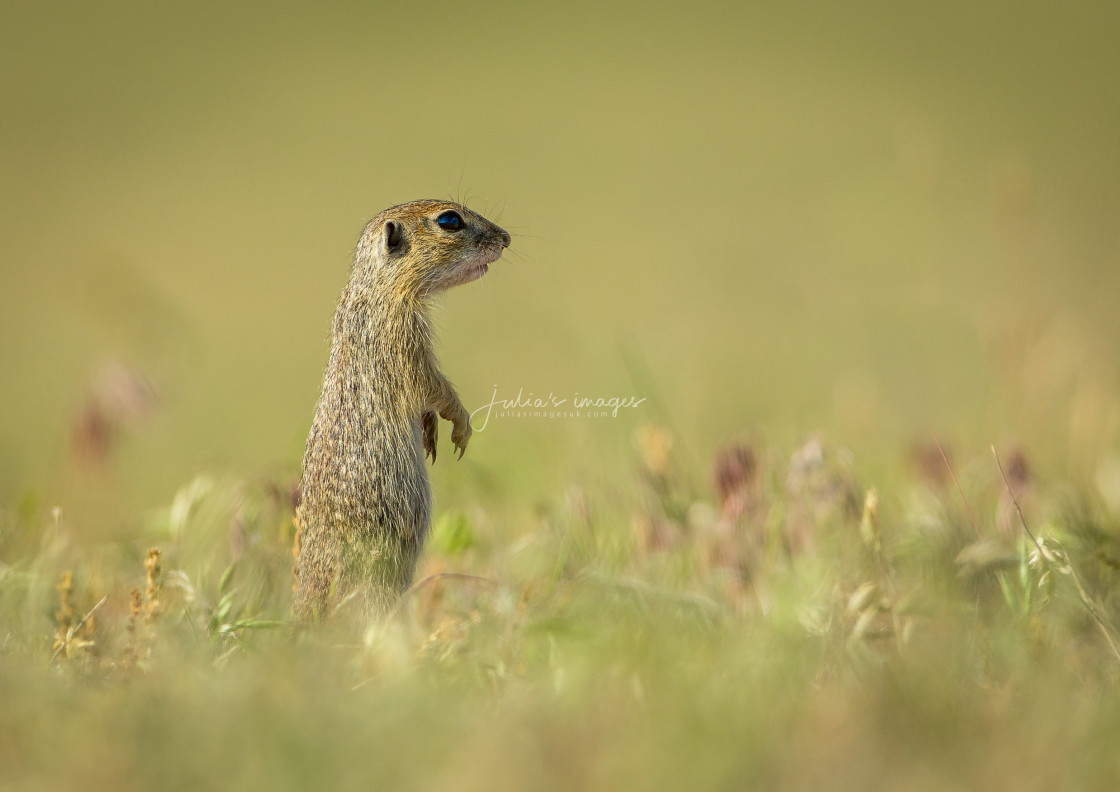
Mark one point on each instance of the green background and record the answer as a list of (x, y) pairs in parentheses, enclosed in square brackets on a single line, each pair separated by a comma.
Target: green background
[(866, 219)]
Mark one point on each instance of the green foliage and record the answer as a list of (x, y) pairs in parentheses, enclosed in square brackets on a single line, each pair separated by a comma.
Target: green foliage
[(781, 636), (452, 533)]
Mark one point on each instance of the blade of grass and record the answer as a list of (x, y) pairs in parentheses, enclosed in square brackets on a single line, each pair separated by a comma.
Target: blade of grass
[(1090, 606), (945, 458), (74, 630)]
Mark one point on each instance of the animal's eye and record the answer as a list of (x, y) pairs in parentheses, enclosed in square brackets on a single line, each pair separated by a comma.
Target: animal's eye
[(450, 221)]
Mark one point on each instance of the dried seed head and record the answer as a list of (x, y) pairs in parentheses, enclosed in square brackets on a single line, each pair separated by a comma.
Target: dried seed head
[(151, 564), (65, 614), (862, 597), (734, 472), (869, 524), (73, 635), (135, 606), (119, 398)]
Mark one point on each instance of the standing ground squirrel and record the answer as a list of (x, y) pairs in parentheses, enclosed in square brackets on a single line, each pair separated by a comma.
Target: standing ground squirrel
[(365, 503)]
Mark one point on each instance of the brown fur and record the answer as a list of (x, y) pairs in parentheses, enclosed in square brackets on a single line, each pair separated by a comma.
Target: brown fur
[(366, 502)]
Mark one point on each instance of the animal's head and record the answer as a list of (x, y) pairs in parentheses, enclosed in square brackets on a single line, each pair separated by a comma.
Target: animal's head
[(424, 247)]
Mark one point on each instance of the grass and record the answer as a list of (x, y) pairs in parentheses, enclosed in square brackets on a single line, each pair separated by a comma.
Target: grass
[(788, 627)]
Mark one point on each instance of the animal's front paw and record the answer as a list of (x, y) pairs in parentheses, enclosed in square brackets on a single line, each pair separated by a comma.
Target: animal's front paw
[(429, 422), (461, 433)]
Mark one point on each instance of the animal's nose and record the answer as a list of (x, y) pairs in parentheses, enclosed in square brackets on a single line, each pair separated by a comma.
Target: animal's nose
[(503, 237)]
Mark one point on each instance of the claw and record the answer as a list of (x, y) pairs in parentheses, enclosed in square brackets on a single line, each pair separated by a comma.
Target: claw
[(461, 450), (431, 433)]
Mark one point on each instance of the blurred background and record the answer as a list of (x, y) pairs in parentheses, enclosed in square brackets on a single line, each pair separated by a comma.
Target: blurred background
[(869, 220)]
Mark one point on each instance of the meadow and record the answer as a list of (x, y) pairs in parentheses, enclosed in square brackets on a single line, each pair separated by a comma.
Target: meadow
[(797, 631), (830, 259)]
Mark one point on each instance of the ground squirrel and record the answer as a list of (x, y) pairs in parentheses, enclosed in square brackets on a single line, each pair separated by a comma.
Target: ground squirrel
[(365, 503)]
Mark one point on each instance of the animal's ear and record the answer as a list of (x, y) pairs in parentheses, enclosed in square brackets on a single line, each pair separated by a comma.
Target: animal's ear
[(394, 236)]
